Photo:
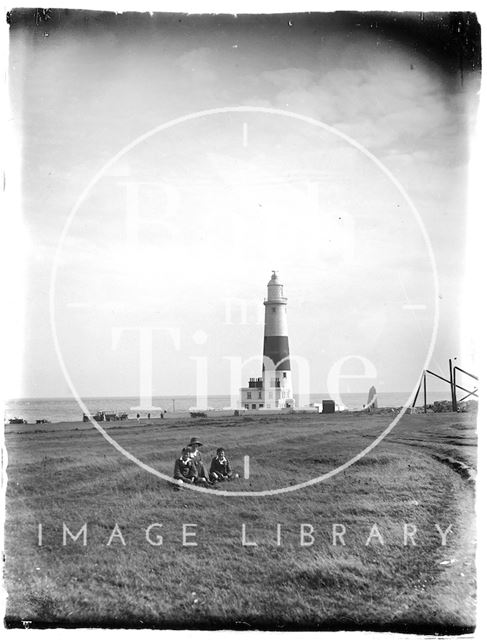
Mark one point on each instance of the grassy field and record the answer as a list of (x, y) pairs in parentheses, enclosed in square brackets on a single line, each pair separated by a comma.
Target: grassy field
[(420, 474)]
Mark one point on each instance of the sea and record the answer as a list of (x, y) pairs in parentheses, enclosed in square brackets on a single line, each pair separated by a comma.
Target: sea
[(68, 409)]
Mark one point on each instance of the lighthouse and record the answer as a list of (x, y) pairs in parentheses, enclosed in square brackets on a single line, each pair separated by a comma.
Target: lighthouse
[(274, 389)]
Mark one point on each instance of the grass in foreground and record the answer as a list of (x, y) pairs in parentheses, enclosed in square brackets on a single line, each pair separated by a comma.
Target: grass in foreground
[(74, 476)]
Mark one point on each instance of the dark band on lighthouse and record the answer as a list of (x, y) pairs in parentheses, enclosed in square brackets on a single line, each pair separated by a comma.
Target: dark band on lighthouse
[(277, 349)]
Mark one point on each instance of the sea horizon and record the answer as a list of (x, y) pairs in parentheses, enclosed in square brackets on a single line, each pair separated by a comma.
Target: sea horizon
[(182, 395), (66, 408)]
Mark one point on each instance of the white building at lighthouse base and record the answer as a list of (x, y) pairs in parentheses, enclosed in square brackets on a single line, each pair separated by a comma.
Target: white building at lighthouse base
[(272, 391)]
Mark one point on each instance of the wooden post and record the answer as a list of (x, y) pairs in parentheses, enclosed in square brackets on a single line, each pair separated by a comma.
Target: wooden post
[(424, 390), (452, 387), (472, 393), (454, 403), (417, 392), (432, 373)]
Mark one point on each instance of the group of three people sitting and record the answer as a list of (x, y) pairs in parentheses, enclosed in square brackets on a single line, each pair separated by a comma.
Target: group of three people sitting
[(190, 469)]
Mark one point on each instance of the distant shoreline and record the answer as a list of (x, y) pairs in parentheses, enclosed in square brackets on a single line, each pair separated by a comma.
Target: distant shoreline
[(69, 409), (438, 406), (177, 396)]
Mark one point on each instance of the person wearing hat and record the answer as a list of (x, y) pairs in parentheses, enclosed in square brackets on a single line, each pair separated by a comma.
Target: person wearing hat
[(184, 468), (195, 456), (220, 467)]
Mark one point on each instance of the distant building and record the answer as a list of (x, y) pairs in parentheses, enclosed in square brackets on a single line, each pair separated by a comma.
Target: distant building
[(274, 389)]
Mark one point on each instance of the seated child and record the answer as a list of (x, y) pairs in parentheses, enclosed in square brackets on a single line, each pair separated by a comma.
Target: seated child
[(220, 467), (184, 467), (195, 455)]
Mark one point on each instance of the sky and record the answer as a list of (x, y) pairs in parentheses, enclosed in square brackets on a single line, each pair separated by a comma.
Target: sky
[(181, 232)]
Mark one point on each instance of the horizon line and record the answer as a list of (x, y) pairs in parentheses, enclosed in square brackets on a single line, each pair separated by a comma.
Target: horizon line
[(194, 395)]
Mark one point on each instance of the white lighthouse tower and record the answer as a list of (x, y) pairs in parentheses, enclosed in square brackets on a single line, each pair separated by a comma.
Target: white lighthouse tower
[(274, 389)]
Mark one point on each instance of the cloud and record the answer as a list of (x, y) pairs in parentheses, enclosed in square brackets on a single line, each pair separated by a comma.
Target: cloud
[(290, 79), (243, 211), (201, 73)]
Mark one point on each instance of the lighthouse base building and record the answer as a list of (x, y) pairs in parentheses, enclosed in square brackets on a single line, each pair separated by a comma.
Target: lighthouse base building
[(273, 390)]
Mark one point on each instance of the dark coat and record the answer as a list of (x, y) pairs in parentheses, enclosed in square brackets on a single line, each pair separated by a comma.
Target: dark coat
[(185, 471), (198, 463), (222, 468)]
